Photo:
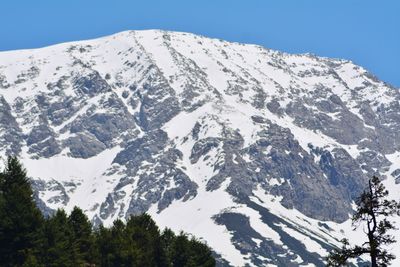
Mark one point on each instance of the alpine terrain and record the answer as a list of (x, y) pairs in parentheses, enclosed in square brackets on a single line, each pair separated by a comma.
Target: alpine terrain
[(257, 152)]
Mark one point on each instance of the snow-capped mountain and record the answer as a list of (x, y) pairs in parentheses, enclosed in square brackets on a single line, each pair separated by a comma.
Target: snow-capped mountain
[(257, 152)]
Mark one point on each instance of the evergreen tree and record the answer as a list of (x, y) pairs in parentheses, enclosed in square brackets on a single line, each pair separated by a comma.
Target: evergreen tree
[(114, 247), (58, 246), (201, 255), (82, 237), (144, 235), (20, 219), (373, 209), (180, 251), (167, 243)]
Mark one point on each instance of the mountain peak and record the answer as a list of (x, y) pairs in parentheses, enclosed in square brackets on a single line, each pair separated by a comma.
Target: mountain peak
[(259, 152)]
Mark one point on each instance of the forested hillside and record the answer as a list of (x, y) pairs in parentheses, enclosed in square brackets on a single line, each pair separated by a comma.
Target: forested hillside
[(27, 238)]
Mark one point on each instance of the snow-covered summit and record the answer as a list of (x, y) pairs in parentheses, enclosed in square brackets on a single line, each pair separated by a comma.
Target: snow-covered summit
[(258, 152)]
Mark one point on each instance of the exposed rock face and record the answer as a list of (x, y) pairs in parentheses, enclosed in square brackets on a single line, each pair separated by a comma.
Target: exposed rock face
[(10, 134), (259, 152)]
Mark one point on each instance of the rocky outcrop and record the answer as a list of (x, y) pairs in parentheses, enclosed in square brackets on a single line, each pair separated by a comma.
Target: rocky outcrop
[(245, 142)]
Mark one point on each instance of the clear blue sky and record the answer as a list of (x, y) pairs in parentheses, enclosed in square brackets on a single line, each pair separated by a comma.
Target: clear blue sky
[(365, 31)]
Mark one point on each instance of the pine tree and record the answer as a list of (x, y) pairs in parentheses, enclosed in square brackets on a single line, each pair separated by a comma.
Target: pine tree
[(82, 237), (373, 209), (58, 245), (144, 235), (167, 243), (190, 252), (181, 251), (114, 247), (200, 255), (20, 219)]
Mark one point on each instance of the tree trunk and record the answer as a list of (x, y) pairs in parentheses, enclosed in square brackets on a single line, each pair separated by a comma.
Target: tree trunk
[(372, 241), (373, 249), (373, 259)]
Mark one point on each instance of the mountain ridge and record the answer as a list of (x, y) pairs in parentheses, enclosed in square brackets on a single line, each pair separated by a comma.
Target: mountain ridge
[(173, 123)]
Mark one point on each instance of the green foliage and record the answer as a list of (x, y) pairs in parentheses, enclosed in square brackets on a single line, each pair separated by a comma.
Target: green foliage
[(373, 210), (82, 236), (29, 240), (190, 252), (114, 246), (58, 246), (167, 241), (20, 219)]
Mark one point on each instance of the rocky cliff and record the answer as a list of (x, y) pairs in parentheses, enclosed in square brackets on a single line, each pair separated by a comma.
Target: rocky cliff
[(258, 152)]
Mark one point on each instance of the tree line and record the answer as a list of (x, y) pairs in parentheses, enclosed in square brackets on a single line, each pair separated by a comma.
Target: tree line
[(27, 238)]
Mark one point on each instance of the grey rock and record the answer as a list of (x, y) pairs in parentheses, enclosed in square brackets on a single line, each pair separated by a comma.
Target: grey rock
[(91, 84), (396, 175), (275, 107), (42, 142), (84, 145), (10, 135)]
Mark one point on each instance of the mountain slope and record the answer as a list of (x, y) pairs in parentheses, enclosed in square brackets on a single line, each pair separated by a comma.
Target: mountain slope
[(258, 152)]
